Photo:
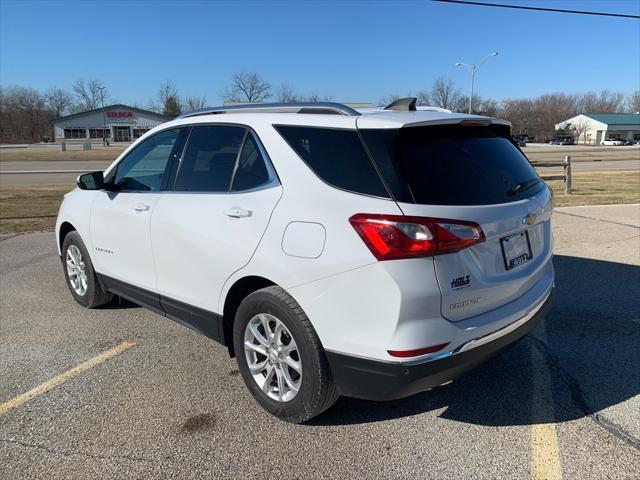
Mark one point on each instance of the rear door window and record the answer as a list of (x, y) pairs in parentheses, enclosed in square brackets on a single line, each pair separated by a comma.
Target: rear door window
[(452, 165), (209, 159), (337, 156)]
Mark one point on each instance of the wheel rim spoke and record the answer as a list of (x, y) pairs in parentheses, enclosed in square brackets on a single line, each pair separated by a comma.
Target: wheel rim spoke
[(293, 364), (257, 335), (261, 349), (279, 330), (290, 347), (267, 328), (266, 387), (280, 380), (258, 367), (290, 383)]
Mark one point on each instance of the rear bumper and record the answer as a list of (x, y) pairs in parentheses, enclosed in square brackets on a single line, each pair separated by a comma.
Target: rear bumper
[(375, 380)]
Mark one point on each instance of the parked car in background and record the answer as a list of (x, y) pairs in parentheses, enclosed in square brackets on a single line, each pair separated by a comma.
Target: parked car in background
[(562, 140), (631, 141), (519, 141), (333, 252), (612, 142)]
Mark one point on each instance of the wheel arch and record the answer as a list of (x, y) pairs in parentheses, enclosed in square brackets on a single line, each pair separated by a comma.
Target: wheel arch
[(242, 288), (64, 230)]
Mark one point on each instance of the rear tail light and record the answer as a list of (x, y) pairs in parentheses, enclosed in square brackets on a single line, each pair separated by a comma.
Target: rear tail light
[(392, 237)]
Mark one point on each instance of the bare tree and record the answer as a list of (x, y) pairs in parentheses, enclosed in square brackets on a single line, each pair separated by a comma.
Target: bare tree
[(580, 129), (23, 115), (423, 97), (633, 102), (479, 105), (286, 94), (444, 93), (90, 94), (247, 87), (551, 109), (169, 101), (195, 103), (604, 102), (487, 106), (58, 100), (316, 97), (520, 112), (388, 99)]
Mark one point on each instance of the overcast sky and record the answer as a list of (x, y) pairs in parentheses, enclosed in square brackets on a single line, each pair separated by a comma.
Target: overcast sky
[(352, 51)]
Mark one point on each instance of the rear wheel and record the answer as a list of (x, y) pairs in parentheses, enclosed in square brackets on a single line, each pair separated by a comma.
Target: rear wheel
[(280, 356), (80, 275)]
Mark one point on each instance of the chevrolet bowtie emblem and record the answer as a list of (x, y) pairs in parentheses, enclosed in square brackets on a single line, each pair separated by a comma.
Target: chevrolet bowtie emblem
[(529, 219)]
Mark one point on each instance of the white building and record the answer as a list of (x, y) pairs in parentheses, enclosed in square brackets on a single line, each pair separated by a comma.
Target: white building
[(119, 123), (593, 128)]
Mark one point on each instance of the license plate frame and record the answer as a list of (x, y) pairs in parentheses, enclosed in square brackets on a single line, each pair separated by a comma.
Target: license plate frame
[(518, 252)]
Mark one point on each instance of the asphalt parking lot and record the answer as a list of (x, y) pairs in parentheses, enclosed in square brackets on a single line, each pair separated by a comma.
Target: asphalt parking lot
[(156, 400)]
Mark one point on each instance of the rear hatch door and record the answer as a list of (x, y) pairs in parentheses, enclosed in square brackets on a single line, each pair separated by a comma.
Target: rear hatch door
[(475, 173)]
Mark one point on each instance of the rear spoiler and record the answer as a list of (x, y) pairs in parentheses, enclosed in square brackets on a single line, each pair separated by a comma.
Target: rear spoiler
[(471, 121)]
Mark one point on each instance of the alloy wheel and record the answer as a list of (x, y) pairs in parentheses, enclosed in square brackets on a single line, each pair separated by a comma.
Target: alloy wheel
[(76, 270), (272, 357)]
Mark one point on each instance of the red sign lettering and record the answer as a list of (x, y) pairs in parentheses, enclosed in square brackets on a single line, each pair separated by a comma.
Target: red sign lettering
[(119, 114)]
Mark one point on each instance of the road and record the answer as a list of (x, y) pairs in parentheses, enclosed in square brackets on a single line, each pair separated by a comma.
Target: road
[(563, 403), (603, 166), (72, 168), (538, 152), (76, 166)]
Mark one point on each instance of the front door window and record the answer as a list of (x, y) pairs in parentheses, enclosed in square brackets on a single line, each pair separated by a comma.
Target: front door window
[(142, 169)]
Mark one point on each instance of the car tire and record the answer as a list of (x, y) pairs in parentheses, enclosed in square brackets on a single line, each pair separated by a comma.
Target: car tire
[(80, 275), (275, 308)]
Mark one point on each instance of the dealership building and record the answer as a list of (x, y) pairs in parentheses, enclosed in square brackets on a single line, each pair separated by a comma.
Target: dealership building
[(118, 123), (593, 128)]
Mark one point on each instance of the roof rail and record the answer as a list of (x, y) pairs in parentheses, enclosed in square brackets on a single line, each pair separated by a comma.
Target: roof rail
[(298, 107)]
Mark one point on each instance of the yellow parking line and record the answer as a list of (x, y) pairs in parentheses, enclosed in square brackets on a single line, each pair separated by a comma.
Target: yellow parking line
[(546, 458), (63, 377), (545, 463)]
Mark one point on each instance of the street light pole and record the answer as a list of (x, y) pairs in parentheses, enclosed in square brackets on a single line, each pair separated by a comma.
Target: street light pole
[(104, 117), (474, 68)]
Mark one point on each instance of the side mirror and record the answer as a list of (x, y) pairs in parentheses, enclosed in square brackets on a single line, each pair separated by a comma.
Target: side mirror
[(91, 181)]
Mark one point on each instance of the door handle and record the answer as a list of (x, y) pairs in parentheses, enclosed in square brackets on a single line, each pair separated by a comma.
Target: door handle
[(237, 212), (141, 207)]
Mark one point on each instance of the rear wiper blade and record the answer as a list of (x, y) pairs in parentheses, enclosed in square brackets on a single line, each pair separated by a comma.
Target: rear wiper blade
[(522, 186)]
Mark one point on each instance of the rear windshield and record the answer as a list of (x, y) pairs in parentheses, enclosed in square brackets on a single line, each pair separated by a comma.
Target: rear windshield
[(452, 165)]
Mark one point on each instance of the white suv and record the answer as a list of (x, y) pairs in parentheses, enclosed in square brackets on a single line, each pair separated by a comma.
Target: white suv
[(373, 254)]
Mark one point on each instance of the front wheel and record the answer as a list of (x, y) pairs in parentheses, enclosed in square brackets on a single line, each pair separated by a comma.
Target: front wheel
[(81, 277), (281, 358)]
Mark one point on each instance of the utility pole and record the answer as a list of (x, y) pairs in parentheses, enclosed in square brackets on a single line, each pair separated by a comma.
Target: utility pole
[(104, 116), (474, 68)]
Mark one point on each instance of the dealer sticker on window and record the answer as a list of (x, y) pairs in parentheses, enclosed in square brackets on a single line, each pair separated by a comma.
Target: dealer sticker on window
[(516, 250)]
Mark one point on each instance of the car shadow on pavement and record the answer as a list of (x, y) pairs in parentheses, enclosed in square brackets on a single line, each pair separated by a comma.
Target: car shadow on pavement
[(587, 348), (118, 303)]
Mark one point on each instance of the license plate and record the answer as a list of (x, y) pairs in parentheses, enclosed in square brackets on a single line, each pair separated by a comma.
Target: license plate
[(516, 250)]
